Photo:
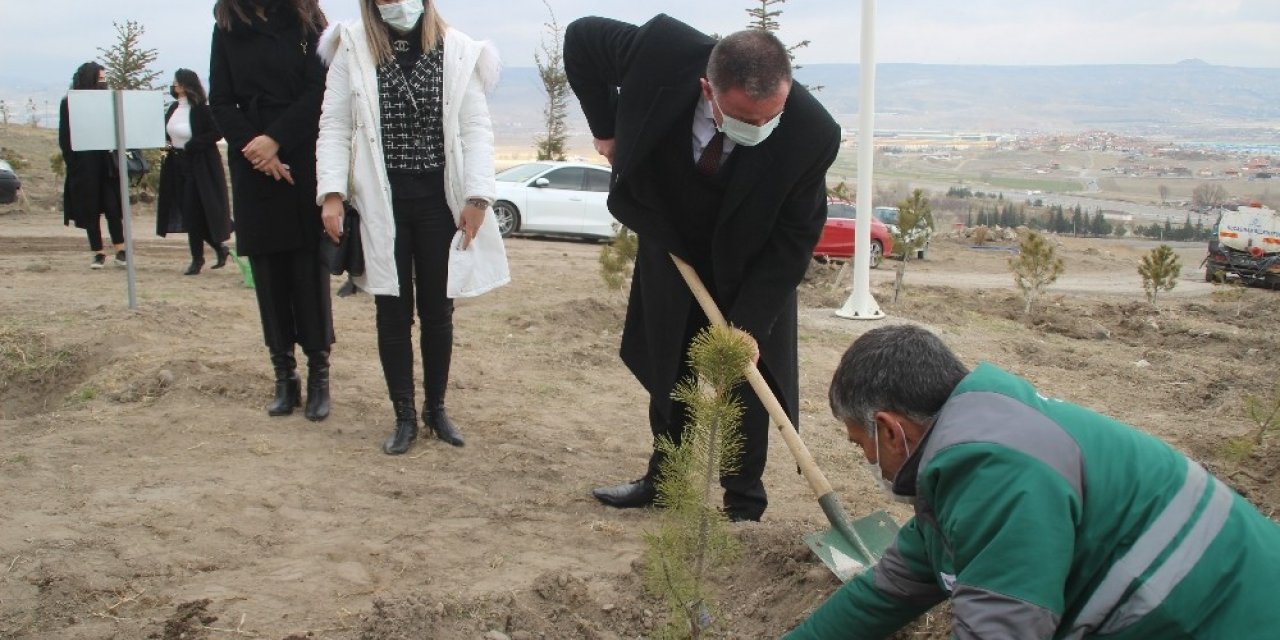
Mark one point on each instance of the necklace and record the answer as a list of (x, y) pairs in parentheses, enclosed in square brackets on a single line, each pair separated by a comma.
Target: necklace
[(401, 46)]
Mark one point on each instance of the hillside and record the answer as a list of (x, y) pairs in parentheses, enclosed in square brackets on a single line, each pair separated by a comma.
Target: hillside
[(1190, 100)]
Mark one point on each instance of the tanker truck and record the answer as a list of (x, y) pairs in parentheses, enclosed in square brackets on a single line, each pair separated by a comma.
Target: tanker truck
[(1245, 245)]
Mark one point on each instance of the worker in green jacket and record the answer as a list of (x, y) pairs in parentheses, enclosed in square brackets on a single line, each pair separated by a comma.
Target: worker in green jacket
[(1036, 517)]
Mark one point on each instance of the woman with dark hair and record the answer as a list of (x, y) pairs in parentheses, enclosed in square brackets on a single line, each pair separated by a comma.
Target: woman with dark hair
[(420, 172), (193, 188), (92, 185), (265, 87)]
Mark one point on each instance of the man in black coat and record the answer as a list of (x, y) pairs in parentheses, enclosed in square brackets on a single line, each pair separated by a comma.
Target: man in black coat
[(719, 159)]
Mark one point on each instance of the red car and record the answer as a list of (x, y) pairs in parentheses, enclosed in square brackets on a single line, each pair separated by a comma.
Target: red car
[(837, 235)]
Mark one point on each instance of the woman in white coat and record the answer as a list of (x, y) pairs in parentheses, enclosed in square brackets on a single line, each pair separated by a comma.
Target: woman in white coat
[(405, 137)]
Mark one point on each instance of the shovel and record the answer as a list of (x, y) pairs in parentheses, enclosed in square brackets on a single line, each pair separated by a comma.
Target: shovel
[(847, 548)]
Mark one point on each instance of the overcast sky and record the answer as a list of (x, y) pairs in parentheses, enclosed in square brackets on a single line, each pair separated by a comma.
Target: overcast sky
[(42, 41)]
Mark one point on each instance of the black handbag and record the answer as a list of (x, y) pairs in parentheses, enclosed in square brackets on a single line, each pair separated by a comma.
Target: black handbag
[(136, 163), (346, 255)]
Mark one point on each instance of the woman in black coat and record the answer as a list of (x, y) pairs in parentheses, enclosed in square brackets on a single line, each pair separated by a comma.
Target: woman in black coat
[(193, 187), (265, 87), (92, 186)]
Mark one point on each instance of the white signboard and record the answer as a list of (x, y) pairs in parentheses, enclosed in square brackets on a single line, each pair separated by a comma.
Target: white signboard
[(93, 120)]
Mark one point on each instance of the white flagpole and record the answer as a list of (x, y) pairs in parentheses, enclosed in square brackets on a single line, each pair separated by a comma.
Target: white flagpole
[(861, 305)]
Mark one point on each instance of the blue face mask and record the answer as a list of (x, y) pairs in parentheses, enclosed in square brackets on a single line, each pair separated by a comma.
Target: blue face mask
[(402, 16), (745, 134)]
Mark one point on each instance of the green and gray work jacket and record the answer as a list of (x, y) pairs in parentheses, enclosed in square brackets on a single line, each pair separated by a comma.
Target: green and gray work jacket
[(1042, 519)]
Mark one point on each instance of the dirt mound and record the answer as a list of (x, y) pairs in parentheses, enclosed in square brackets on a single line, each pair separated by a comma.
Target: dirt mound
[(35, 374), (768, 592)]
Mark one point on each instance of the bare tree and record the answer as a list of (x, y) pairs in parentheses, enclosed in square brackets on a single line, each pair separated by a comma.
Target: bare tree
[(128, 65), (1208, 195), (1164, 193), (550, 61)]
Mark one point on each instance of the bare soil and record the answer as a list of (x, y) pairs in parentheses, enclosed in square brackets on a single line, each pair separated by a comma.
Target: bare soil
[(148, 495)]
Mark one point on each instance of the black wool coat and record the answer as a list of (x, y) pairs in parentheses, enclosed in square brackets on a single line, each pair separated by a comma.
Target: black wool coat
[(635, 84), (92, 183), (265, 78), (208, 182)]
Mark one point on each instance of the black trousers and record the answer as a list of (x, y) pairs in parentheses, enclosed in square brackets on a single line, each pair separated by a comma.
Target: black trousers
[(293, 300), (744, 491), (424, 229), (115, 224)]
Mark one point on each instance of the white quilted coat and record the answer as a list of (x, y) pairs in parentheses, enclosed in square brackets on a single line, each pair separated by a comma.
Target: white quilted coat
[(349, 158)]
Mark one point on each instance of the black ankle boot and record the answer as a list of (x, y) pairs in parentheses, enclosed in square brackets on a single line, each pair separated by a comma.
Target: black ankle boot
[(317, 385), (406, 428), (194, 268), (435, 418), (223, 254), (288, 387)]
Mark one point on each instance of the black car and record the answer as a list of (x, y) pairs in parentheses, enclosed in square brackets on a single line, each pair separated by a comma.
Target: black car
[(9, 183)]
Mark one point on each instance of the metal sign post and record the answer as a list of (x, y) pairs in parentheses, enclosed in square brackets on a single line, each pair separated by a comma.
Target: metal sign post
[(126, 208), (861, 305), (118, 121)]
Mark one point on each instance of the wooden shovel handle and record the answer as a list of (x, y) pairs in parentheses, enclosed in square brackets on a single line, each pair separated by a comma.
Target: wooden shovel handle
[(817, 481)]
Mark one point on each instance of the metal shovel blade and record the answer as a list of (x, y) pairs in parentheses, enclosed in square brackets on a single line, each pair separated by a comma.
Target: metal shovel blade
[(876, 531)]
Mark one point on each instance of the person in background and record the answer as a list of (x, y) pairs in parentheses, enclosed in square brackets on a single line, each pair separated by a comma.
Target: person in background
[(720, 159), (1037, 518), (265, 87), (401, 74), (193, 187), (91, 188)]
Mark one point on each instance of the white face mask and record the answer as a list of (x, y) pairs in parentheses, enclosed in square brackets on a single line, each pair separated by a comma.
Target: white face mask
[(402, 16), (874, 467), (747, 135)]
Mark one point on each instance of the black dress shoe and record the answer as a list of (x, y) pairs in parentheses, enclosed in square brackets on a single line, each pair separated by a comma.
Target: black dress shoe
[(631, 495), (740, 516), (223, 253)]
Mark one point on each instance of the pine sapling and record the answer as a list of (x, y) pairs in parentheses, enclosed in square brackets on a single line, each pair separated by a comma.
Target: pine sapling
[(1159, 270), (617, 257), (1036, 266), (1264, 412), (694, 538), (912, 214)]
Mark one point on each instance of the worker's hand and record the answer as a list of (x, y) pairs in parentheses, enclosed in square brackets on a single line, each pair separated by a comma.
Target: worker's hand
[(755, 347), (469, 222), (331, 213), (605, 148), (260, 151)]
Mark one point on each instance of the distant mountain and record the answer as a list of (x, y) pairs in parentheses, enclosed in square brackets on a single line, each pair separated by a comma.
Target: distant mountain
[(1190, 99)]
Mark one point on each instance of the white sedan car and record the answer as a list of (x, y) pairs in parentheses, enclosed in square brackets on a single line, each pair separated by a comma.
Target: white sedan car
[(555, 198)]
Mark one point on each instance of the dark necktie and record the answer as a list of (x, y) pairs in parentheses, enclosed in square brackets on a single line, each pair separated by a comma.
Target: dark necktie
[(709, 162)]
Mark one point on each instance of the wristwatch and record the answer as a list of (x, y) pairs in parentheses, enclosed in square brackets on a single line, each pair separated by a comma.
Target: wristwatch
[(479, 203)]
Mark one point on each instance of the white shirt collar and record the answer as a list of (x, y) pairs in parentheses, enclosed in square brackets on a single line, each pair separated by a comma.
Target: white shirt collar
[(704, 127)]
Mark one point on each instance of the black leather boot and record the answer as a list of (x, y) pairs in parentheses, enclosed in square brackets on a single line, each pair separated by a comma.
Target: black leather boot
[(406, 428), (223, 254), (194, 268), (435, 418), (317, 385), (288, 388)]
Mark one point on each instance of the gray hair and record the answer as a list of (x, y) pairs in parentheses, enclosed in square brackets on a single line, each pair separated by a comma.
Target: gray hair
[(753, 60), (900, 368)]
